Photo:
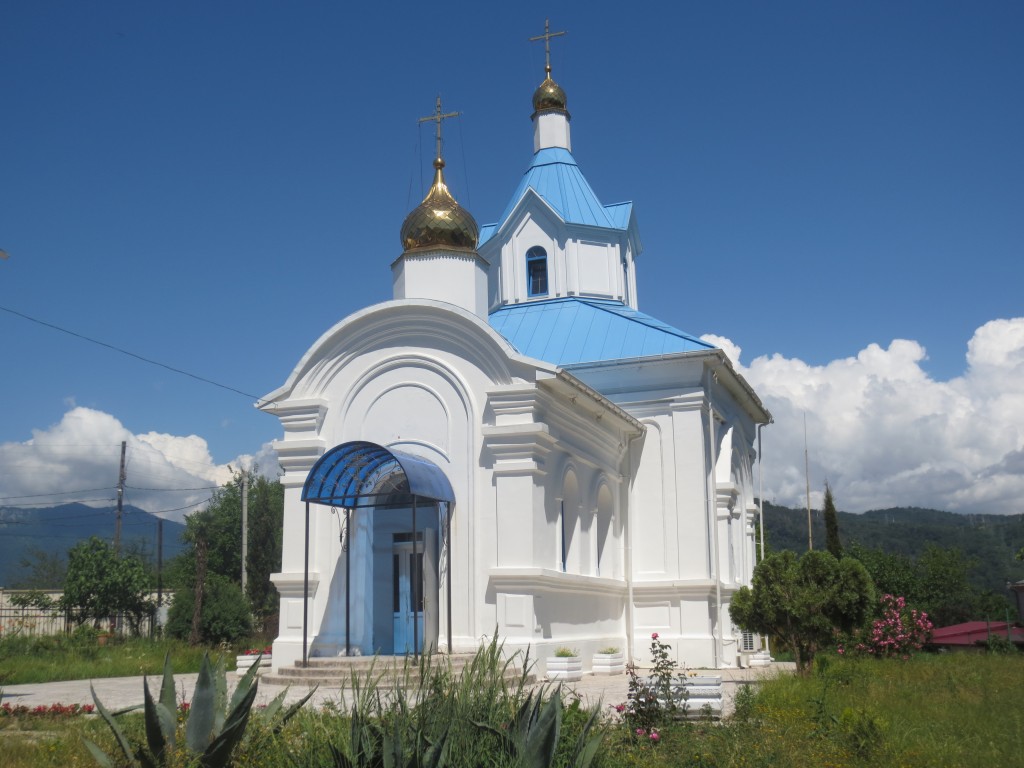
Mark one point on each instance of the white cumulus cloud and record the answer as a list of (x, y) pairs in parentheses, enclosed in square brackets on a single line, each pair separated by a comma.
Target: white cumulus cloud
[(884, 433), (78, 458)]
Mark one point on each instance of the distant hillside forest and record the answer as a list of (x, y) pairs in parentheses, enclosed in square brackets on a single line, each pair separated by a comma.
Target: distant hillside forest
[(34, 541), (988, 542)]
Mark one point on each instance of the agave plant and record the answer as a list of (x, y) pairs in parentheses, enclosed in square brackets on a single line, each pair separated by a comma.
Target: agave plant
[(531, 738), (214, 726)]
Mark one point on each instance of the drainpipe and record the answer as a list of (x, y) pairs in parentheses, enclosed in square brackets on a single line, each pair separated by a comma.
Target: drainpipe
[(760, 510), (628, 534), (713, 507)]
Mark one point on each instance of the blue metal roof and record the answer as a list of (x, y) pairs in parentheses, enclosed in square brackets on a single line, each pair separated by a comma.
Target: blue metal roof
[(619, 213), (555, 176), (578, 330), (352, 470)]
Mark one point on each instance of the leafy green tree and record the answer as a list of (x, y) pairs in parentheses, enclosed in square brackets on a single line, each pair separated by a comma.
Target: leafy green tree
[(216, 533), (893, 574), (805, 602), (832, 543), (101, 584), (937, 582), (266, 521)]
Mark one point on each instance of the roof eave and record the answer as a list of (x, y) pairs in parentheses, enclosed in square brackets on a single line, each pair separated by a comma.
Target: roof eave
[(717, 361)]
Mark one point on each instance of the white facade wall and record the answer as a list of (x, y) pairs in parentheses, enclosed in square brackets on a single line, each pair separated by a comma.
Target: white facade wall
[(436, 382)]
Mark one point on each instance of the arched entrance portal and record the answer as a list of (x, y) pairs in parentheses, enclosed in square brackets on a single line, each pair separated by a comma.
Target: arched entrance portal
[(403, 505)]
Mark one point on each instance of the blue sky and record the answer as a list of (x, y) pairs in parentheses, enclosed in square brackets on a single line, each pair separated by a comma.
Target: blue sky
[(213, 185)]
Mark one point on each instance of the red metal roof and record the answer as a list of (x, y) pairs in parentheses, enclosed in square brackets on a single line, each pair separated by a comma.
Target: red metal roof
[(974, 632)]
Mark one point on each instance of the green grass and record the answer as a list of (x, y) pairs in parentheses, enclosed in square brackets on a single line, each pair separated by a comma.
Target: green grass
[(79, 657), (951, 710)]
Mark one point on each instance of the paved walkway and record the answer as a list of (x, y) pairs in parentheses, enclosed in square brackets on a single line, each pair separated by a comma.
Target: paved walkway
[(122, 692)]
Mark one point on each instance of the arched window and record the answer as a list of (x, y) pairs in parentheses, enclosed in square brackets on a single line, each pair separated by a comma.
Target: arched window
[(569, 522), (536, 272)]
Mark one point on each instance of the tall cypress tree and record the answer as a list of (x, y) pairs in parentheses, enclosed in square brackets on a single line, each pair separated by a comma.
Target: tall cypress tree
[(832, 542)]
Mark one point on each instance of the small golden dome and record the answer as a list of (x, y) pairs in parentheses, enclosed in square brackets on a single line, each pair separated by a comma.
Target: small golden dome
[(439, 221), (549, 95)]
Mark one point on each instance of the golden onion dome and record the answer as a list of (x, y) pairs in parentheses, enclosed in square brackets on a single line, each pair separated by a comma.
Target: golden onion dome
[(549, 94), (439, 221)]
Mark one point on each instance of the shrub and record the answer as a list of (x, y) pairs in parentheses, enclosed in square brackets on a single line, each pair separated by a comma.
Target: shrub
[(900, 632), (225, 618)]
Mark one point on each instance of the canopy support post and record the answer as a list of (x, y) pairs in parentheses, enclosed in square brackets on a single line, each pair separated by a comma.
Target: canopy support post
[(348, 583), (305, 595), (417, 587), (449, 506)]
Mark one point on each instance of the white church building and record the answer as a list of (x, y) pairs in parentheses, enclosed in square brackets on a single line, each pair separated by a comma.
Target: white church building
[(510, 445)]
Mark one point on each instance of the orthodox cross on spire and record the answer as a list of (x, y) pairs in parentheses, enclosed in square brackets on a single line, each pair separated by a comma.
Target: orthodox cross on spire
[(437, 117), (546, 37)]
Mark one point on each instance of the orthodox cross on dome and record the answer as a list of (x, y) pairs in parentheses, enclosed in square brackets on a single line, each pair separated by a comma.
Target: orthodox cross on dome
[(546, 37), (437, 117)]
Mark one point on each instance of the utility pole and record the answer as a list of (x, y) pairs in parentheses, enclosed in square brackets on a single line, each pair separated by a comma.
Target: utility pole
[(120, 499), (245, 524), (159, 561), (159, 574), (807, 477)]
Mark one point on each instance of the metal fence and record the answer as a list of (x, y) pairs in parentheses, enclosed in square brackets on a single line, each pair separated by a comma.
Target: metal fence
[(30, 621)]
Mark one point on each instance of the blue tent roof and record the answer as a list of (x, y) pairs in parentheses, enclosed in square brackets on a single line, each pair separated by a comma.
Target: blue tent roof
[(554, 176), (577, 330), (352, 470)]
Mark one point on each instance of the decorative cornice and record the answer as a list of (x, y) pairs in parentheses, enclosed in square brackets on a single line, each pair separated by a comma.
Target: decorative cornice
[(292, 585), (297, 457), (517, 448), (548, 581), (436, 254)]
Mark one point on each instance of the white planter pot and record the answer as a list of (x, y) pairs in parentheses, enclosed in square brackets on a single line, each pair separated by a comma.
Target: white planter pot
[(609, 663), (565, 668), (702, 691), (242, 663)]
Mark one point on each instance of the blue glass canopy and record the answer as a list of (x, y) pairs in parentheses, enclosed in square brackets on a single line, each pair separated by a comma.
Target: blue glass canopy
[(353, 471)]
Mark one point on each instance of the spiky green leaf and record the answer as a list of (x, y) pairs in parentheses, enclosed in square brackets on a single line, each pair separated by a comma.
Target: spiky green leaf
[(155, 729), (293, 709), (220, 686), (169, 701), (122, 741), (199, 728), (542, 739), (247, 681), (218, 754)]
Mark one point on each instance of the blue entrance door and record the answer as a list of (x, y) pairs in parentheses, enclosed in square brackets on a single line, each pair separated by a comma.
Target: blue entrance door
[(407, 598)]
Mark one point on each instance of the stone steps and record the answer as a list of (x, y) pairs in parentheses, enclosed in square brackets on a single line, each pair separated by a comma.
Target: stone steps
[(387, 671)]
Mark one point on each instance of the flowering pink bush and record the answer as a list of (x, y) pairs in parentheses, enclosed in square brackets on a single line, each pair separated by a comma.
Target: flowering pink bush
[(900, 632), (651, 700), (257, 651)]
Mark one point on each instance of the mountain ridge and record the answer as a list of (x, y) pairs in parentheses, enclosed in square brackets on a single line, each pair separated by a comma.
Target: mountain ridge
[(54, 530)]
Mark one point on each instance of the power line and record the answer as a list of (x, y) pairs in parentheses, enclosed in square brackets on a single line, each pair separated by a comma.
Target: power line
[(200, 488), (59, 503), (132, 354), (178, 509), (64, 493)]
